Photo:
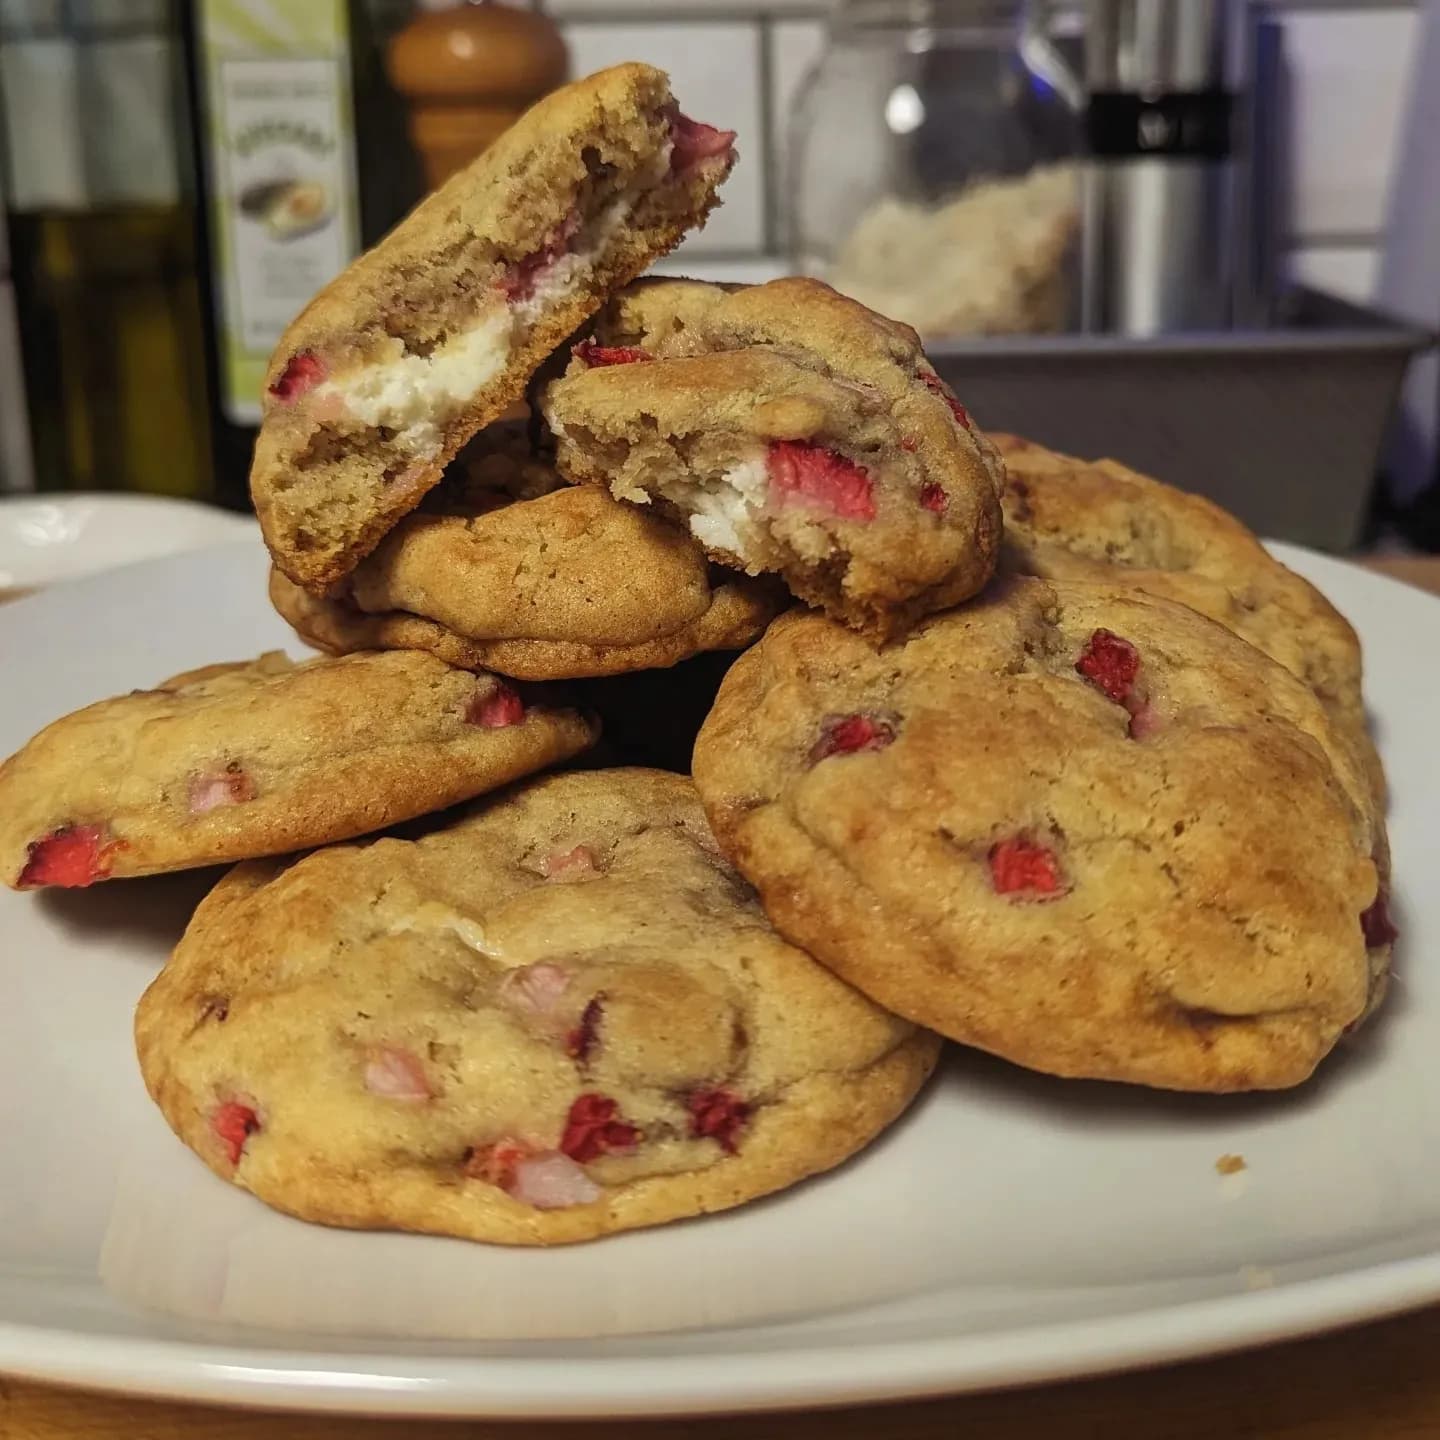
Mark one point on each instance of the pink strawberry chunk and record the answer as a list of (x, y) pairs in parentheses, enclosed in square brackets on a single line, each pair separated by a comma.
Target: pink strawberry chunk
[(520, 280), (1111, 665), (819, 479), (934, 499), (396, 1074), (594, 1128), (845, 734), (935, 383), (576, 864), (594, 354), (72, 856), (233, 1124), (497, 708), (230, 786), (1019, 866), (718, 1115), (303, 373), (693, 142)]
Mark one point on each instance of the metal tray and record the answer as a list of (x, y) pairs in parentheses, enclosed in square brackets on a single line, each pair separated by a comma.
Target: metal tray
[(1283, 427)]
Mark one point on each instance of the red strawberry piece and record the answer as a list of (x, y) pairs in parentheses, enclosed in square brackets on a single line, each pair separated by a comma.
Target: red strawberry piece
[(520, 280), (593, 1128), (1110, 664), (234, 1123), (496, 708), (595, 354), (934, 498), (693, 142), (810, 475), (1376, 924), (72, 856), (845, 734), (718, 1115), (303, 372), (581, 1040), (230, 786), (909, 444), (935, 383), (495, 1164), (1019, 866)]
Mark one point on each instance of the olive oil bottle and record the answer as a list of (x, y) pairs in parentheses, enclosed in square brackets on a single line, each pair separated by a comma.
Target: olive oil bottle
[(102, 249)]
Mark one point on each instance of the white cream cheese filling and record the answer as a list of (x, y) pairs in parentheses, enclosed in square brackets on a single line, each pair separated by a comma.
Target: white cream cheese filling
[(416, 396)]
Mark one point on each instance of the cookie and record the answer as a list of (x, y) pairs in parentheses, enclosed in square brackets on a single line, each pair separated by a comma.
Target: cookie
[(793, 431), (435, 332), (235, 761), (1075, 825), (560, 1016), (504, 568), (1068, 519)]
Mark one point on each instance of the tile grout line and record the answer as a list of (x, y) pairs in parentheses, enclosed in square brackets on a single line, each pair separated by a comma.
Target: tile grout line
[(773, 160)]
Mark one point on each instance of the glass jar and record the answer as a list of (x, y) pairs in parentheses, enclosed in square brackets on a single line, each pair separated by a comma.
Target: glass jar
[(933, 165)]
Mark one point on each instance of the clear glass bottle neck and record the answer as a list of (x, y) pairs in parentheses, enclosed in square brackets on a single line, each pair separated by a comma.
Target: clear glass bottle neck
[(985, 16)]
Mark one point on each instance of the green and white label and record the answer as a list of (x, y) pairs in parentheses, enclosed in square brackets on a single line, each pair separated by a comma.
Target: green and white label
[(281, 172)]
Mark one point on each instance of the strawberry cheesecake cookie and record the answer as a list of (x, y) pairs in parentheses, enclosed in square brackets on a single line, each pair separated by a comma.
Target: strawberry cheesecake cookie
[(1077, 826), (435, 332), (505, 568), (560, 1016), (792, 431), (235, 761), (1068, 519)]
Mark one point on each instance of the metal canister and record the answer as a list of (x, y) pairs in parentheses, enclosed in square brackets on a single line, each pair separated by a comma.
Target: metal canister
[(1164, 197)]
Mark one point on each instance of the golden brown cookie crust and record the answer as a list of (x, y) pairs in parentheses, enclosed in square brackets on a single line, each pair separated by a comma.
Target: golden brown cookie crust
[(1068, 519), (1207, 875), (293, 981), (327, 488), (560, 583), (793, 431), (265, 757)]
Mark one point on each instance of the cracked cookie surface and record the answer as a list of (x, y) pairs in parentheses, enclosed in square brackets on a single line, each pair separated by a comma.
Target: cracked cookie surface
[(503, 567), (1083, 828), (436, 331), (560, 1016), (794, 432), (264, 757), (1069, 519)]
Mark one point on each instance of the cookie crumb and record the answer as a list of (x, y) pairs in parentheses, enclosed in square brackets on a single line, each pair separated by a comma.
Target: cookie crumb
[(1230, 1165)]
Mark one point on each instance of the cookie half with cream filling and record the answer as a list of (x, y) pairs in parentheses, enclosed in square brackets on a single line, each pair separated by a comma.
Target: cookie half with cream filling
[(792, 431), (435, 332)]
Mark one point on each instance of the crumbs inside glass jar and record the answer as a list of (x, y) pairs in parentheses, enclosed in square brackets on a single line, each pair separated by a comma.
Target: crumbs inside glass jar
[(933, 166)]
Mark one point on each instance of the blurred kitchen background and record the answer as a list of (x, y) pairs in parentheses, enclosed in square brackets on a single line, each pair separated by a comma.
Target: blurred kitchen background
[(1200, 235)]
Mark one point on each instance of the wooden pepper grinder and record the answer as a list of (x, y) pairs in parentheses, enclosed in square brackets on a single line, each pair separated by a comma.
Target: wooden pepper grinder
[(468, 69)]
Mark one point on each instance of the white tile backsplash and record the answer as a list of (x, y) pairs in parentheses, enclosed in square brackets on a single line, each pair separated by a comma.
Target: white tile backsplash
[(1349, 79), (715, 71), (1351, 272)]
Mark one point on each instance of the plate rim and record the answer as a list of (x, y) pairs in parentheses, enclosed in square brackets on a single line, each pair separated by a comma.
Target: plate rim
[(823, 1373)]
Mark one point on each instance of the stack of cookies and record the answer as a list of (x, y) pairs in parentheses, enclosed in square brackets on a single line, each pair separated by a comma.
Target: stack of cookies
[(1035, 754)]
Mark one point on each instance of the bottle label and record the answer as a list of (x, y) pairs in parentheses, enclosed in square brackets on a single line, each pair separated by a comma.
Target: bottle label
[(280, 171)]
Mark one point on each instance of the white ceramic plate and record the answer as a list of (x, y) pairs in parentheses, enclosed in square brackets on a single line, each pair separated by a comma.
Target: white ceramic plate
[(44, 538), (1011, 1229)]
